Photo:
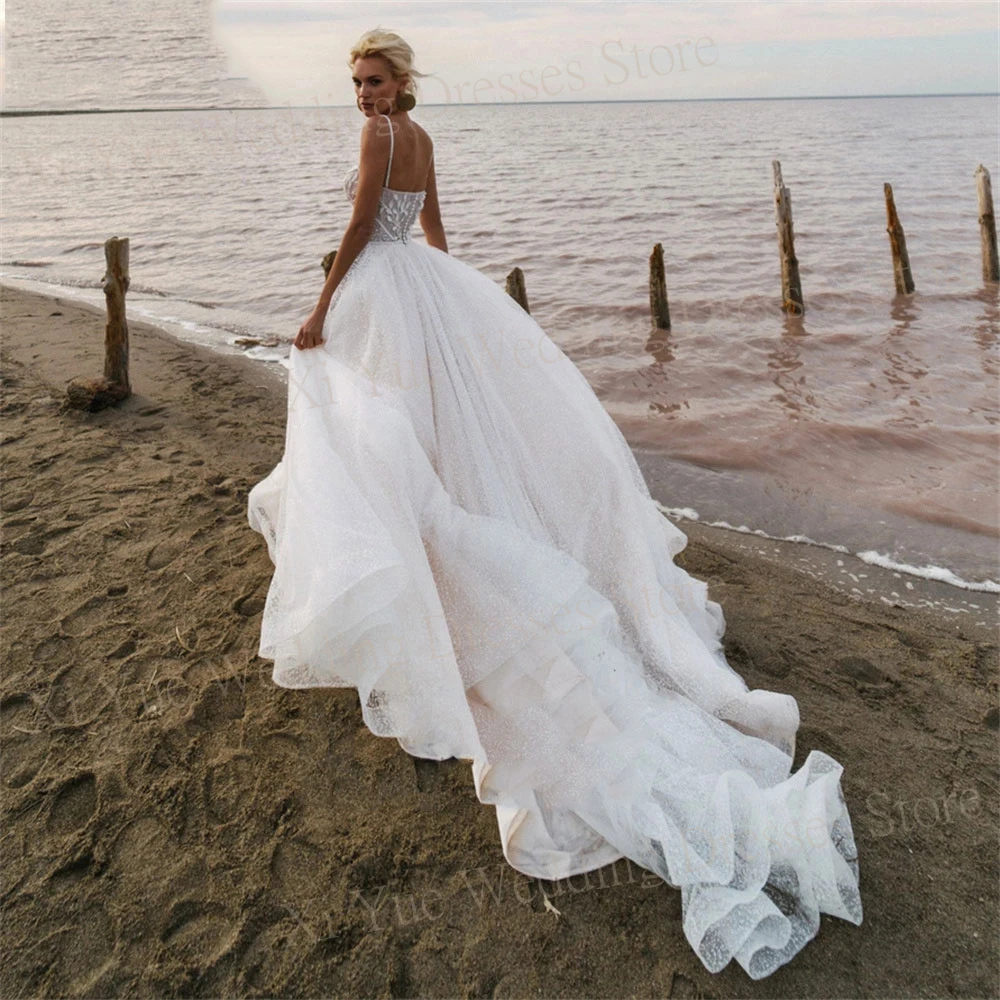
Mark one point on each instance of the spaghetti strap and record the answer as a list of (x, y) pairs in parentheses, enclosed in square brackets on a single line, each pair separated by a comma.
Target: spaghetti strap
[(388, 167)]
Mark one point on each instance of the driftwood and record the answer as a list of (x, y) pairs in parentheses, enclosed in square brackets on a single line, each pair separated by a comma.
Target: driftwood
[(897, 242), (791, 284), (659, 308), (515, 288), (257, 342), (987, 225), (97, 394)]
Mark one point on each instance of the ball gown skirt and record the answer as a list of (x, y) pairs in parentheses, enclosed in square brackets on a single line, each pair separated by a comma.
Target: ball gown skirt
[(460, 532)]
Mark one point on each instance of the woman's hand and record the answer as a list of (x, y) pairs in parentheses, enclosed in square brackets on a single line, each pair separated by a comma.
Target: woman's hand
[(310, 333)]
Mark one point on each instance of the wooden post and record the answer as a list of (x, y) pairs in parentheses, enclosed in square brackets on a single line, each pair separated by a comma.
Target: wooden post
[(897, 242), (116, 282), (659, 308), (515, 288), (96, 394), (987, 225), (791, 285)]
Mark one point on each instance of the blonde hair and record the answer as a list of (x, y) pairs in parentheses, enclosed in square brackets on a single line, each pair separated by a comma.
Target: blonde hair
[(396, 52)]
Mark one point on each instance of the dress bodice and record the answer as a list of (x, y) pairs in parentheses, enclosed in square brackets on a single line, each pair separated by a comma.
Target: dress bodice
[(397, 210)]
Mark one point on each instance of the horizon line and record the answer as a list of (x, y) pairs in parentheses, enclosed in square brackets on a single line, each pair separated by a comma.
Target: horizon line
[(35, 112)]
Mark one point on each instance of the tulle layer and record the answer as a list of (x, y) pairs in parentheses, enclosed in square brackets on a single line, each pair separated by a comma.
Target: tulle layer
[(460, 532)]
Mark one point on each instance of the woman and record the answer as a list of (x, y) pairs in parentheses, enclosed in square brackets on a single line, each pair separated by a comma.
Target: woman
[(460, 532)]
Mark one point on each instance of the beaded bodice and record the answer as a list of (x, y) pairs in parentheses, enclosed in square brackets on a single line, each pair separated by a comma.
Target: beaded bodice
[(397, 210)]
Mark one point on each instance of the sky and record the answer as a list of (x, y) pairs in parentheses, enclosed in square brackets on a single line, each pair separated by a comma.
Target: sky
[(202, 53), (296, 50)]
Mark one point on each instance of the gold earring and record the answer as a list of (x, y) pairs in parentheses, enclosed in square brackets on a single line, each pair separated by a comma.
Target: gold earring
[(405, 102)]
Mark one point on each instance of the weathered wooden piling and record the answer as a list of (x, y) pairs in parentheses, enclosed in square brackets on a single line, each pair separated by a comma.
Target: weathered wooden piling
[(791, 285), (515, 288), (897, 243), (96, 394), (659, 308), (987, 225), (116, 284)]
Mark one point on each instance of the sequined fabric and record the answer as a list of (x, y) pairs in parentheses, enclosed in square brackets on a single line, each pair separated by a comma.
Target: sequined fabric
[(461, 533), (397, 210)]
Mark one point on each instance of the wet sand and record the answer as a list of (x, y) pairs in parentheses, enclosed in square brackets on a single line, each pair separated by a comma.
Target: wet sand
[(174, 824)]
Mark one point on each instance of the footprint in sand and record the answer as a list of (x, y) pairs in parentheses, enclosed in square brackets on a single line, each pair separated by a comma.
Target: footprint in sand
[(248, 605), (125, 648), (294, 866), (148, 864), (32, 544), (73, 804), (220, 702), (749, 655), (86, 618), (165, 552), (17, 715), (96, 456), (226, 785), (53, 647), (70, 872), (18, 502), (90, 945), (78, 695), (863, 672), (23, 752), (987, 660), (201, 930)]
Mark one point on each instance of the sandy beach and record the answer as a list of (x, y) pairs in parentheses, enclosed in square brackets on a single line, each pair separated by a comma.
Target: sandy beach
[(176, 825)]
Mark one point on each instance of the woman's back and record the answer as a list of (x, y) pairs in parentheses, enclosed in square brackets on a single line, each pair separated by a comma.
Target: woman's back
[(412, 153)]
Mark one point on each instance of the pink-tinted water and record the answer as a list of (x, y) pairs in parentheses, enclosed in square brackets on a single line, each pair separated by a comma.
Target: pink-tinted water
[(871, 421)]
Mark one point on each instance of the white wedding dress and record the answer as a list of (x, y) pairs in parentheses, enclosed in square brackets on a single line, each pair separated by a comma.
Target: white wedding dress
[(460, 532)]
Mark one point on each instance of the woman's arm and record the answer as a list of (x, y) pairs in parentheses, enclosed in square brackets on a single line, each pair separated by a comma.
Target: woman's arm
[(372, 164), (430, 214)]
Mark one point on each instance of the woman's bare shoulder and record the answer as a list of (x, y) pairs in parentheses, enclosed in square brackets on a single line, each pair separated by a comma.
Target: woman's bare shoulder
[(373, 132), (377, 124), (424, 135)]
